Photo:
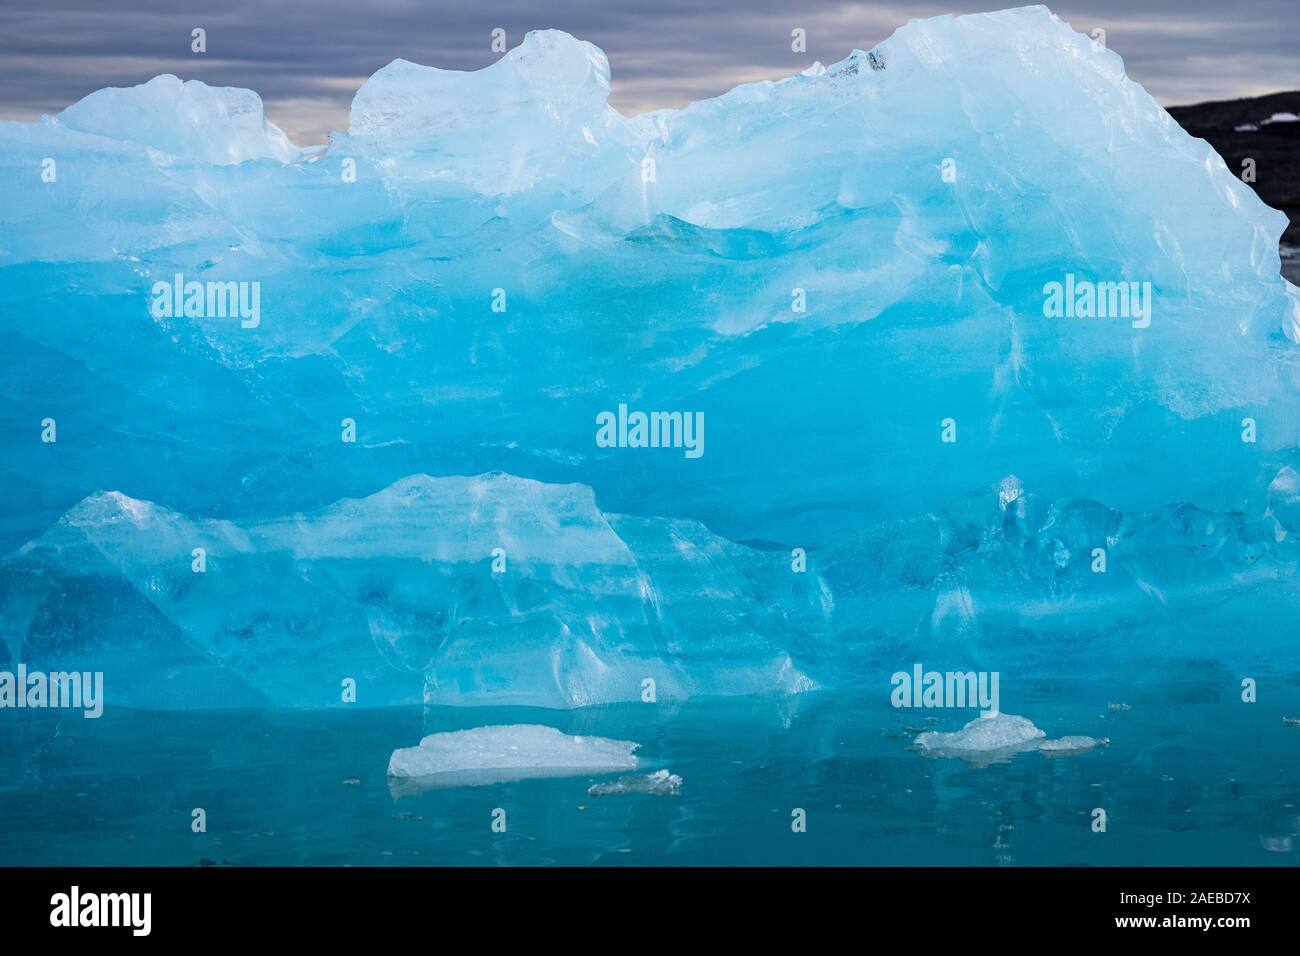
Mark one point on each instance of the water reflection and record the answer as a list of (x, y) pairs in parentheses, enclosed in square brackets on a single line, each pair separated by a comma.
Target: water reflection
[(1190, 776)]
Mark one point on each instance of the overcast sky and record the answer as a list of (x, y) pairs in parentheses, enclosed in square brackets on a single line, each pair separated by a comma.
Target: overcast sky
[(308, 58)]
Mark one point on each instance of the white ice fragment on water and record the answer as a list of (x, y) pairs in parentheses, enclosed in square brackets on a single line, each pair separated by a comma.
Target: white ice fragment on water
[(511, 751), (661, 783), (1002, 733), (999, 732), (1072, 744)]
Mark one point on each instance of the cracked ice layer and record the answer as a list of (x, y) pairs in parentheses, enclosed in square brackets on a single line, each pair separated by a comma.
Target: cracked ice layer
[(672, 281), (513, 752), (1001, 733)]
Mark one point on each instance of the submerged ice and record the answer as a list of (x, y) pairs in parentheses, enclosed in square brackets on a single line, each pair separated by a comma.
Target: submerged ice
[(661, 783), (917, 448)]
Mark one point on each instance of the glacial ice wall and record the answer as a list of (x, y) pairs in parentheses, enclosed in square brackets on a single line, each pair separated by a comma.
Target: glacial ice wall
[(843, 273)]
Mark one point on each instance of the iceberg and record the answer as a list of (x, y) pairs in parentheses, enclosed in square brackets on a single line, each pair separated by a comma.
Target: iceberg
[(997, 364), (513, 752)]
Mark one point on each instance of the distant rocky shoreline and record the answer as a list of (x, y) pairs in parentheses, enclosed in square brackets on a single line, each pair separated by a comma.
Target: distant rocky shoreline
[(1258, 128)]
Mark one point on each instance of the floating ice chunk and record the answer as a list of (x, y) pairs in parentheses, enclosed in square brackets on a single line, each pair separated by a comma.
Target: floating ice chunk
[(212, 124), (983, 734), (1073, 744), (1001, 735), (661, 782), (510, 752)]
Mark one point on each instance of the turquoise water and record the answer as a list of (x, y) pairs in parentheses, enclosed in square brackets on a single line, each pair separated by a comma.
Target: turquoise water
[(1192, 776)]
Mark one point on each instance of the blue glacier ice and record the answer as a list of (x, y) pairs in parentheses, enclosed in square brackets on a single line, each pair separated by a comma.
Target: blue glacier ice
[(837, 272), (582, 607)]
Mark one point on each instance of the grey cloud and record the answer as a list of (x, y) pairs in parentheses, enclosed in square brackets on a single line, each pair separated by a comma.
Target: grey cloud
[(306, 59)]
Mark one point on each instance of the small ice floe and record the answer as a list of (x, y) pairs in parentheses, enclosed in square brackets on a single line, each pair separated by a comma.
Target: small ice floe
[(661, 782), (988, 740), (1291, 721), (486, 755), (1072, 744), (998, 732), (1115, 708)]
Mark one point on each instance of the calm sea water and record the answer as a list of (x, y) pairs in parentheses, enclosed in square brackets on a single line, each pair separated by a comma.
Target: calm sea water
[(1192, 776)]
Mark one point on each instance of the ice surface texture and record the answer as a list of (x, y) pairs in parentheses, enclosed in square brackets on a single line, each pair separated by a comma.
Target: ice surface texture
[(659, 262), (212, 124)]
